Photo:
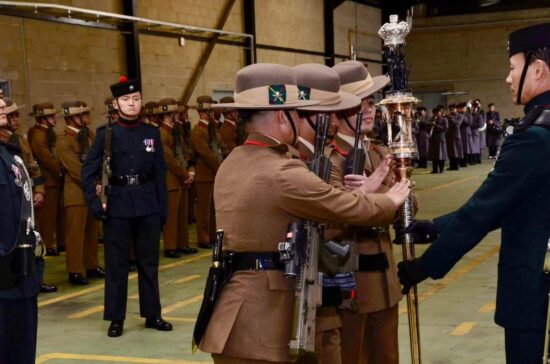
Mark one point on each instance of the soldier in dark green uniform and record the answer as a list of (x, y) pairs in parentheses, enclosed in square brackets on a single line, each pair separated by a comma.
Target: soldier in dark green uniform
[(516, 198)]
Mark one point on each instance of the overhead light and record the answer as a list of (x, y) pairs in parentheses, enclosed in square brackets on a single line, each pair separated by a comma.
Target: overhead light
[(182, 42), (485, 3)]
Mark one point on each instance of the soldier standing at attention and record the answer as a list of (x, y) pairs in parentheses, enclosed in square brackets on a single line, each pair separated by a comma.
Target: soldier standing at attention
[(10, 131), (228, 130), (454, 138), (259, 189), (177, 177), (208, 162), (320, 83), (136, 206), (42, 138), (515, 198), (423, 138), (478, 122), (151, 114), (465, 134), (181, 135), (369, 333), (438, 144), (81, 228), (494, 132), (18, 287)]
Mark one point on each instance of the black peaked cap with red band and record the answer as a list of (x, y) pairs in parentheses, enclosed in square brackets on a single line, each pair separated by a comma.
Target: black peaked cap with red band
[(532, 37), (124, 86)]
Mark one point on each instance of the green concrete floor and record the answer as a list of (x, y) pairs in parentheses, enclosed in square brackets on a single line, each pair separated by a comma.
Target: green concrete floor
[(456, 313)]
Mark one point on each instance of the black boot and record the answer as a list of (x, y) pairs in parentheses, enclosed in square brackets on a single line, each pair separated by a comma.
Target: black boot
[(441, 166), (95, 273), (158, 324), (435, 166), (77, 279), (116, 328)]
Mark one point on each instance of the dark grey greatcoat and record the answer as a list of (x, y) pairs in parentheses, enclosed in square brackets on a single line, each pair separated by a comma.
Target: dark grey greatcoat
[(454, 137), (438, 145), (423, 137), (494, 132), (477, 123), (466, 133)]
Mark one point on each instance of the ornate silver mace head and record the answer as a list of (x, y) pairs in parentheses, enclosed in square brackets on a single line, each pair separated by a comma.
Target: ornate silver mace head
[(394, 32)]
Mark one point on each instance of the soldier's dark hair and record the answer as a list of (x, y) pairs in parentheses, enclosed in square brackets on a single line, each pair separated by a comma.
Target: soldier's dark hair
[(541, 53), (491, 104), (250, 115)]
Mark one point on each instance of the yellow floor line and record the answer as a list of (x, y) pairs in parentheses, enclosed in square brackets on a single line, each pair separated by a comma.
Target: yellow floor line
[(452, 277), (488, 307), (85, 313), (130, 277), (463, 328), (180, 319), (181, 304), (188, 279), (445, 185), (109, 358)]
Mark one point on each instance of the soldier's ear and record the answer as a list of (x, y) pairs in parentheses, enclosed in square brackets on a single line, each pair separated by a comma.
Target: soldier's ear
[(541, 69)]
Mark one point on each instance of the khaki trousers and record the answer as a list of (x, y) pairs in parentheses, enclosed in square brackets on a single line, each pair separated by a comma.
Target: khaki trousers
[(370, 338), (48, 216), (81, 234), (170, 229), (205, 211), (327, 346), (222, 359), (183, 219)]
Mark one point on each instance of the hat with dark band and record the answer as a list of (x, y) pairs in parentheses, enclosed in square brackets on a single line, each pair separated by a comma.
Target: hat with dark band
[(204, 102), (167, 105), (321, 83), (12, 107), (182, 107), (265, 86), (125, 87), (356, 79), (532, 37), (70, 108), (43, 109), (151, 108)]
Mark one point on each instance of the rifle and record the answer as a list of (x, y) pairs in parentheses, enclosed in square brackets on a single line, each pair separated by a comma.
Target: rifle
[(178, 146), (355, 160), (106, 167), (213, 140), (300, 254)]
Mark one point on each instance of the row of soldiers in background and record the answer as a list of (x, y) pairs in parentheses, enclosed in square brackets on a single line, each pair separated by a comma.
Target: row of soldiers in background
[(55, 163), (458, 134)]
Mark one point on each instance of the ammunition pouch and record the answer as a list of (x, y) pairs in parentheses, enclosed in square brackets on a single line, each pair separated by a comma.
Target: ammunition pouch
[(373, 262)]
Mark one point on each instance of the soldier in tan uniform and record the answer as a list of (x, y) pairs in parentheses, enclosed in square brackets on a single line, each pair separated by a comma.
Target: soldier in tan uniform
[(208, 162), (370, 330), (177, 177), (151, 114), (9, 135), (321, 83), (42, 139), (228, 130), (81, 227), (259, 189), (182, 134)]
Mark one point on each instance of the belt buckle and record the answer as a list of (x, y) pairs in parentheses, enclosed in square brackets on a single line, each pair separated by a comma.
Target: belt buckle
[(132, 179)]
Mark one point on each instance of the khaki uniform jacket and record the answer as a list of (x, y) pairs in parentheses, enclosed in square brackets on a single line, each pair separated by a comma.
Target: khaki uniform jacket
[(207, 161), (49, 164), (259, 189), (376, 291), (229, 136), (175, 172), (67, 150)]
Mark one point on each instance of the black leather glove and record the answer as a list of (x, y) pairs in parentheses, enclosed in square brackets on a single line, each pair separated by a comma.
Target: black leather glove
[(423, 231), (410, 272), (100, 215)]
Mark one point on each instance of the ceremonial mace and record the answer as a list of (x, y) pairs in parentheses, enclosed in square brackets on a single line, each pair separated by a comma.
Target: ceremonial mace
[(398, 111)]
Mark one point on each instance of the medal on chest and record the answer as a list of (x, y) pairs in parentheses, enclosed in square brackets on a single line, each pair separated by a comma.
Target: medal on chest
[(149, 145)]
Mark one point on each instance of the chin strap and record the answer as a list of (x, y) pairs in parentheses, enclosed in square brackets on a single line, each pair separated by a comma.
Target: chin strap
[(294, 131), (528, 55), (308, 119), (349, 124)]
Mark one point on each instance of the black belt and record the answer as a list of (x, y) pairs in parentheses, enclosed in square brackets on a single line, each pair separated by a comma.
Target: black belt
[(372, 232), (131, 179), (373, 262), (254, 261)]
